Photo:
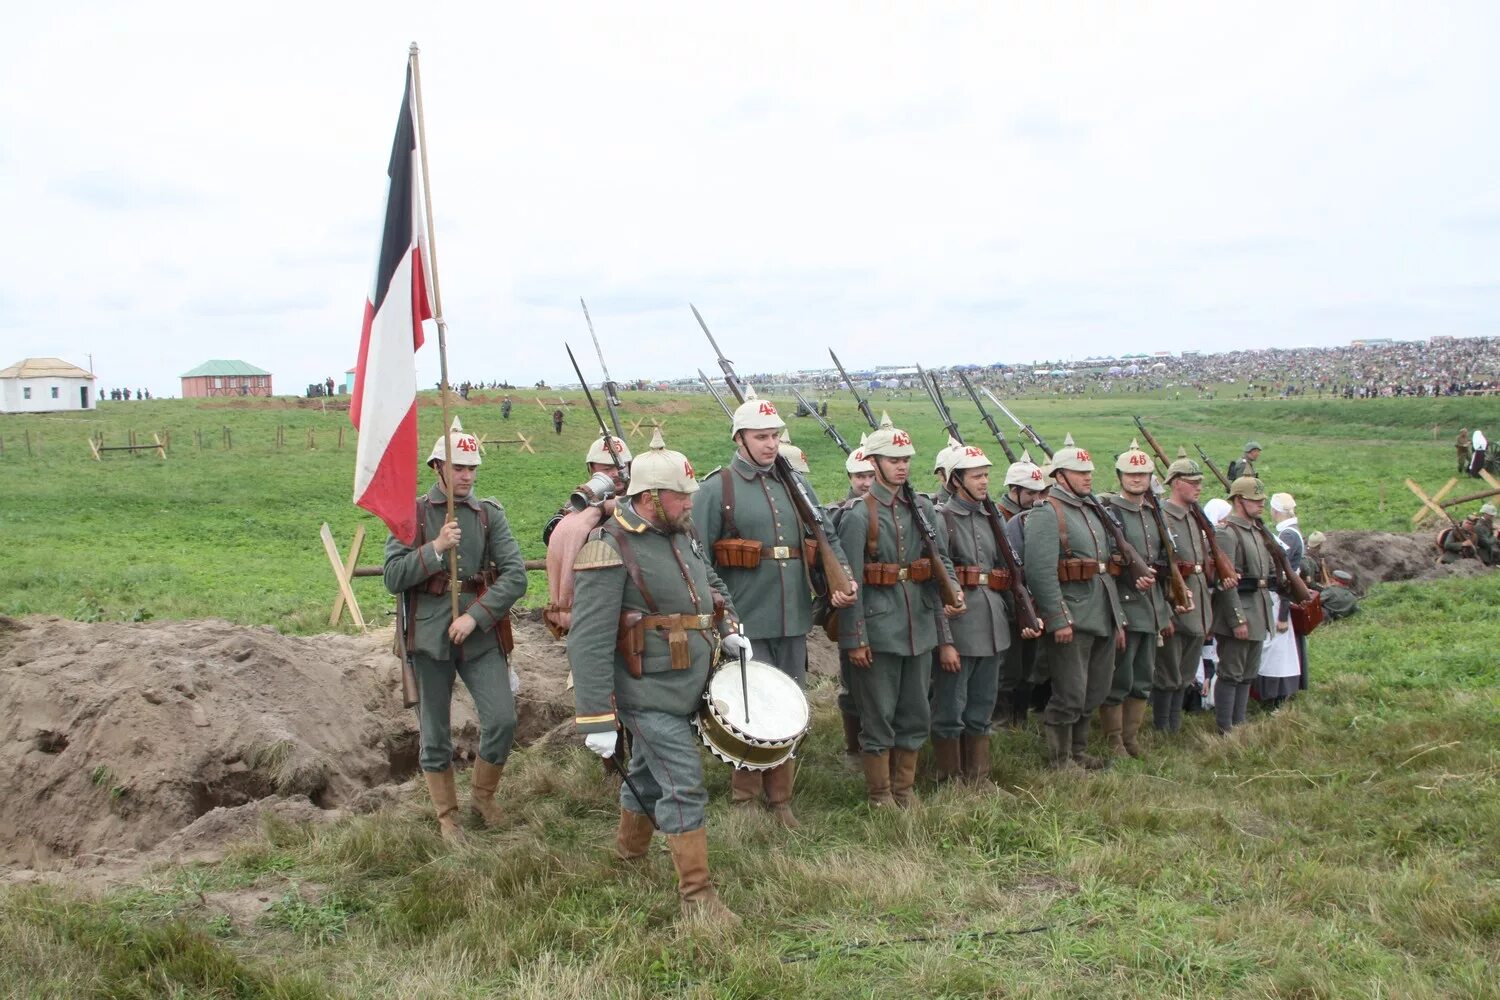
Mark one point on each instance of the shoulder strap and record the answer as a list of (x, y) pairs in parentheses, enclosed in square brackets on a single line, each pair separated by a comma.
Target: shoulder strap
[(632, 565), (1062, 525), (952, 523), (872, 529), (730, 529)]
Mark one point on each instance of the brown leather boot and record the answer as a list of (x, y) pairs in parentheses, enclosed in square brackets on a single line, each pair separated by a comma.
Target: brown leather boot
[(633, 838), (779, 781), (445, 803), (946, 759), (851, 734), (1081, 755), (485, 780), (699, 900), (1060, 748), (903, 777), (1134, 715), (745, 786), (1111, 722), (878, 778), (976, 758)]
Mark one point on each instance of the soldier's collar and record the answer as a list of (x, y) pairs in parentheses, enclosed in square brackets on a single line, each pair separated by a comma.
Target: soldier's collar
[(748, 469), (627, 518), (436, 496), (880, 491), (1066, 495), (961, 504), (1126, 502)]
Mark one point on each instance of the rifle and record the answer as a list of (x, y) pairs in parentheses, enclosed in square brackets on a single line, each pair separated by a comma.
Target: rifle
[(1211, 466), (929, 382), (1135, 565), (808, 513), (1224, 574), (587, 491), (611, 391), (985, 415), (1177, 588), (1026, 613), (1026, 429), (1295, 587), (828, 428), (715, 394), (952, 596), (864, 404), (409, 689)]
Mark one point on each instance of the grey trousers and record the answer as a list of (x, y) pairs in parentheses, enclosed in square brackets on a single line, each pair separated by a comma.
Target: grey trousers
[(892, 697), (666, 767), (1081, 672), (963, 702), (788, 653), (1239, 659), (1134, 667), (488, 679), (1177, 662), (846, 686), (1018, 663)]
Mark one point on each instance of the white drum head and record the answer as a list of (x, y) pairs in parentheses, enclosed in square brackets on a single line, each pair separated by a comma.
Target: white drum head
[(778, 708)]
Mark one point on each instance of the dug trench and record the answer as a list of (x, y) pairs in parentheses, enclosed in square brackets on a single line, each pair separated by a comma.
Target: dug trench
[(163, 741), (125, 744)]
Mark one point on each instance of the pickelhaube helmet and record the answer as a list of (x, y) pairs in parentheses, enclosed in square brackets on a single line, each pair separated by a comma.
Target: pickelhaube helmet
[(599, 451), (967, 456), (1134, 460), (465, 447), (857, 463), (756, 414), (1025, 474), (1183, 467), (795, 457), (943, 459), (1071, 458), (888, 441), (1248, 488), (661, 469)]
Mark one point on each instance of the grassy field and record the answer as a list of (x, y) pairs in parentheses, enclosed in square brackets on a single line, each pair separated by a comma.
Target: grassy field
[(1346, 846), (234, 533)]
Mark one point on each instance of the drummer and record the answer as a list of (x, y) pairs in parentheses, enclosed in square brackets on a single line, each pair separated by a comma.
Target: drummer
[(749, 524), (643, 584)]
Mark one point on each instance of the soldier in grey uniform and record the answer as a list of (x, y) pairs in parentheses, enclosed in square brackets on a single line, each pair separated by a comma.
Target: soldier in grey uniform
[(493, 578), (861, 474), (1177, 660), (748, 522), (649, 615), (1242, 614), (1245, 464), (1147, 616), (1071, 567), (890, 630), (1025, 486), (971, 647)]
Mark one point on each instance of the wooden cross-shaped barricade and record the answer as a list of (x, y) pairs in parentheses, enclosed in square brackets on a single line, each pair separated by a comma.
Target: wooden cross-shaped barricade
[(1437, 504), (636, 425), (519, 439)]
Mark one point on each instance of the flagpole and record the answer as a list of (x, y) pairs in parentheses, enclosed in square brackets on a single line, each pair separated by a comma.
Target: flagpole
[(442, 324)]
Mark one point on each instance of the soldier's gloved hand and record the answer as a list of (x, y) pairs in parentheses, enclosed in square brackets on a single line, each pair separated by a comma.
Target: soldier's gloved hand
[(734, 643), (515, 681), (602, 744)]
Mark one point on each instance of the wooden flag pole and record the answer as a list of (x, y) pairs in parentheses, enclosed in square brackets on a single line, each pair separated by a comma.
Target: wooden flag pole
[(437, 315)]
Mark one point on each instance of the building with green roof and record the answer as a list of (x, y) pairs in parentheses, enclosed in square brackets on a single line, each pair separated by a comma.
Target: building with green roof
[(225, 378)]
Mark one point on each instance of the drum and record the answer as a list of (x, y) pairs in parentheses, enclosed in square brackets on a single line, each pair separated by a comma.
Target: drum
[(777, 720)]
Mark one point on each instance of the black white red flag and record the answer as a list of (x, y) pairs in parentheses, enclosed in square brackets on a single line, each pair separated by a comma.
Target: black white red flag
[(384, 408)]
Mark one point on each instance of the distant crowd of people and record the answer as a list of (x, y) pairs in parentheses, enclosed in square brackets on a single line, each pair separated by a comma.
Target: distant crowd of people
[(122, 395)]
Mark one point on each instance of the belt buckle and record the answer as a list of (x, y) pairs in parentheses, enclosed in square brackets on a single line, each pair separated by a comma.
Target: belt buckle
[(781, 552), (705, 621), (1197, 567), (901, 573), (1103, 567)]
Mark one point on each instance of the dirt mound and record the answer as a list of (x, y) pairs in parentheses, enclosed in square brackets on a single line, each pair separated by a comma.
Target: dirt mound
[(169, 737), (1376, 556)]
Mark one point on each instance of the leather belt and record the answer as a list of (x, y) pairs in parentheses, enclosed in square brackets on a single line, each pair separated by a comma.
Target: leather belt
[(781, 552), (1188, 569), (700, 623)]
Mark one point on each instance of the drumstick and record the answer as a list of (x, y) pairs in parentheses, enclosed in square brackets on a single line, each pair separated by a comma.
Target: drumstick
[(744, 674)]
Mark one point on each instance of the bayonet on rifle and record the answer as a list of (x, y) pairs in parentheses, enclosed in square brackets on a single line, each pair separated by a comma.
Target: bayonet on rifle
[(929, 382), (1224, 574), (828, 428), (864, 404), (707, 384), (1026, 429), (611, 391), (985, 415), (736, 387), (609, 440)]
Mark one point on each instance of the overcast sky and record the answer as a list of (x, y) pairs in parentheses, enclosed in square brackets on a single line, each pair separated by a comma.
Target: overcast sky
[(904, 182)]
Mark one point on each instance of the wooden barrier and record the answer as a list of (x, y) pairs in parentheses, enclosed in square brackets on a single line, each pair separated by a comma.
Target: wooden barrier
[(97, 446), (654, 424), (519, 439)]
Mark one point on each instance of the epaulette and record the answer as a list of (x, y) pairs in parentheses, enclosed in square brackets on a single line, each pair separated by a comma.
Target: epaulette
[(597, 554), (711, 473), (493, 503)]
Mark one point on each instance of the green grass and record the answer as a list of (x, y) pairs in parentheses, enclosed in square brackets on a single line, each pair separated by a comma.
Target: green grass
[(1346, 846), (234, 533)]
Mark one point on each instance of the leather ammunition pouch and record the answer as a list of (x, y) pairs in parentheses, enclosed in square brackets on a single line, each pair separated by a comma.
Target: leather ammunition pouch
[(999, 579), (1249, 585), (970, 577), (677, 628), (1083, 570), (630, 640), (889, 574), (1187, 569), (737, 553), (440, 583)]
